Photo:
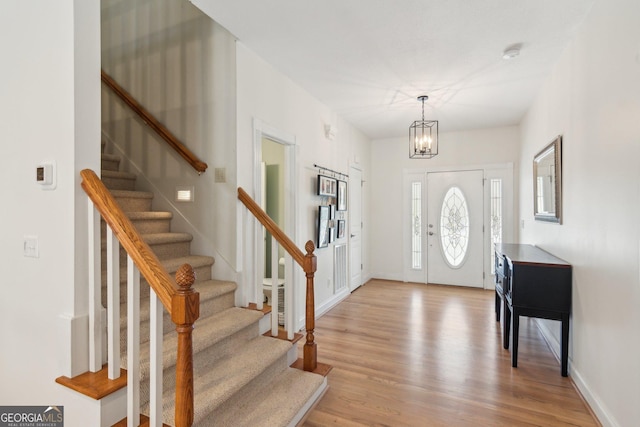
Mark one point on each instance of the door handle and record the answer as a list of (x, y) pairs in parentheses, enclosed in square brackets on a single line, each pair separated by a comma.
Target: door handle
[(431, 233), (353, 235)]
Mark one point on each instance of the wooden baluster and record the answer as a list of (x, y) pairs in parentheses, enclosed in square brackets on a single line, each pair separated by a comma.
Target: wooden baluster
[(310, 355), (185, 309)]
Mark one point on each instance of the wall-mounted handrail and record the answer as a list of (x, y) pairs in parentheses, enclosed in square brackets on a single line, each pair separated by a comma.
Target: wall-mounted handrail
[(181, 301), (308, 263), (154, 124)]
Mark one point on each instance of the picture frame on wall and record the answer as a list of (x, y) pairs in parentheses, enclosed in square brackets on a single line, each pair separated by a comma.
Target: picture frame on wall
[(323, 226), (342, 195), (341, 225), (327, 186)]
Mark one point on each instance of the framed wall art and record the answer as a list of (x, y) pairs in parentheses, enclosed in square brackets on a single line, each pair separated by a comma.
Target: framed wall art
[(323, 226), (342, 195), (327, 186), (341, 224)]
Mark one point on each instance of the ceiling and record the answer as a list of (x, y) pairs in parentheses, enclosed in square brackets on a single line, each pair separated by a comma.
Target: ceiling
[(369, 60)]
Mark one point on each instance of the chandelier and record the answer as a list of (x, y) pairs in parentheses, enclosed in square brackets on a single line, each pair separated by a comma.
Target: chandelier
[(423, 136)]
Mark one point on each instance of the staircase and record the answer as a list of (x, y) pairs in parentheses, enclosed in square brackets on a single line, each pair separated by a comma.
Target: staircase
[(241, 378)]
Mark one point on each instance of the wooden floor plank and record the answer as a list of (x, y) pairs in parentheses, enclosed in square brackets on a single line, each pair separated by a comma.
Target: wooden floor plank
[(424, 355)]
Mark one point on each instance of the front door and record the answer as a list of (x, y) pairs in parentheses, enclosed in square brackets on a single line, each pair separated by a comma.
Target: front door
[(455, 218)]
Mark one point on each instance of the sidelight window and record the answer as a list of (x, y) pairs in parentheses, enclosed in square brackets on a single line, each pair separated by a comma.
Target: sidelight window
[(416, 225)]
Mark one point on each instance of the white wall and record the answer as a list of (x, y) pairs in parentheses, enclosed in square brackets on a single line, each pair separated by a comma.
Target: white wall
[(180, 65), (592, 98), (266, 95), (49, 110), (390, 157)]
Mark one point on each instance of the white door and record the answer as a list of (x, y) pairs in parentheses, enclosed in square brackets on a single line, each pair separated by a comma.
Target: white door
[(355, 228), (455, 228)]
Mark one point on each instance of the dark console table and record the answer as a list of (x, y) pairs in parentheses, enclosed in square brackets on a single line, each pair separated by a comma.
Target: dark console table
[(531, 282)]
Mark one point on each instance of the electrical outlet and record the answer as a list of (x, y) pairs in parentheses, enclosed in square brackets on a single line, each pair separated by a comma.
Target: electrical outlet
[(30, 247)]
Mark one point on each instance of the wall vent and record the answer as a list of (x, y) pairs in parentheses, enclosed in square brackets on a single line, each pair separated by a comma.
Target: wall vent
[(340, 267)]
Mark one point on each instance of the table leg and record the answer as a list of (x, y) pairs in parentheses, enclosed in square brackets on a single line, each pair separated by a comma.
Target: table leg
[(506, 325), (515, 320), (565, 344)]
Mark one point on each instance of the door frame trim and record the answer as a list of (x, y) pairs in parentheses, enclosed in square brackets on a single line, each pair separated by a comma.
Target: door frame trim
[(263, 130), (357, 167), (507, 169)]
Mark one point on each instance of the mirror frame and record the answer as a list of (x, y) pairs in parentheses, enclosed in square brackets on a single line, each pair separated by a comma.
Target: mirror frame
[(555, 147)]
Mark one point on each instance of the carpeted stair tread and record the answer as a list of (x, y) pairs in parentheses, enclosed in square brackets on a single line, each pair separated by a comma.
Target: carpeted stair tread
[(147, 222), (132, 194), (160, 238), (223, 379), (278, 402), (131, 201), (207, 332), (111, 157), (201, 265), (150, 215), (118, 174), (110, 162), (195, 261), (208, 290), (116, 180), (172, 265)]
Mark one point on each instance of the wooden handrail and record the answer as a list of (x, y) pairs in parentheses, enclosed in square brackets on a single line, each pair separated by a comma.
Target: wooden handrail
[(308, 263), (181, 302), (272, 228), (154, 124), (129, 238)]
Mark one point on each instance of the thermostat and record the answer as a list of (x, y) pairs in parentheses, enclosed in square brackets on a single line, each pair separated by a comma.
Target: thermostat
[(46, 175)]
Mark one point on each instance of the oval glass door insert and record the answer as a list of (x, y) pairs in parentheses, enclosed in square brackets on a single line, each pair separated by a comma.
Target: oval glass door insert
[(454, 227)]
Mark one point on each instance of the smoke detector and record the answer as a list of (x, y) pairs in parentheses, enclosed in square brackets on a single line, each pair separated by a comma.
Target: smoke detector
[(511, 52)]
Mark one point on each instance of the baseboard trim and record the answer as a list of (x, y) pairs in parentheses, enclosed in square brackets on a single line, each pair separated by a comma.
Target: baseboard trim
[(332, 302), (74, 344), (593, 402)]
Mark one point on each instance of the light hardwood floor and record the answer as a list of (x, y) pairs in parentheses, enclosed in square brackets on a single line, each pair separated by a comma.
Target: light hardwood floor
[(424, 355)]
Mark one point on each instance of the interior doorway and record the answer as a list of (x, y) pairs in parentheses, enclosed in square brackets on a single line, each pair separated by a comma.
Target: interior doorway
[(274, 183), (272, 171)]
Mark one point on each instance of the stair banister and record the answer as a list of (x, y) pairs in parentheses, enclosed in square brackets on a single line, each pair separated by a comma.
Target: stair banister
[(181, 302), (155, 124), (308, 263)]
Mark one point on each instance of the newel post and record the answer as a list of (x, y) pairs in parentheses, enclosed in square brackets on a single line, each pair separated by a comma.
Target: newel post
[(185, 309), (310, 353)]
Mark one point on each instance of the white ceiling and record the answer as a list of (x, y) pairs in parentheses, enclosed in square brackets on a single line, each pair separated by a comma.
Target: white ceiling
[(370, 59)]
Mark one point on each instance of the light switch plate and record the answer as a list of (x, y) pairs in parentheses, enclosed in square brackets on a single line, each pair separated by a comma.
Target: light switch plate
[(220, 175)]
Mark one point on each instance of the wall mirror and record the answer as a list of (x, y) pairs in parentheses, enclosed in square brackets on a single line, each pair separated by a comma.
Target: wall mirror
[(547, 183)]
